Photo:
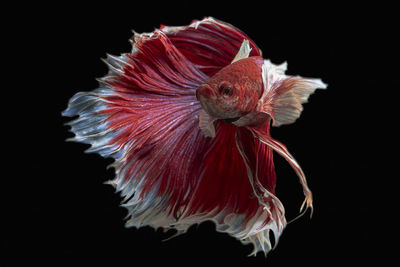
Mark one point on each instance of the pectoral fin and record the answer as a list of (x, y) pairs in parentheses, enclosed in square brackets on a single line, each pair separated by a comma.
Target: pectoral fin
[(206, 124), (284, 95)]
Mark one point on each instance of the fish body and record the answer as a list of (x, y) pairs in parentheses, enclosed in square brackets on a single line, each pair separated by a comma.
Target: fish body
[(186, 116), (234, 91)]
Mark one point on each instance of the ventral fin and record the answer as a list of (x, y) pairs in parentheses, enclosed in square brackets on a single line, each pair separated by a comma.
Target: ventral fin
[(244, 51), (206, 124), (282, 150)]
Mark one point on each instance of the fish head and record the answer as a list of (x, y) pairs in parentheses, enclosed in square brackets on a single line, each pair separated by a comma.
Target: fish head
[(233, 91), (219, 100)]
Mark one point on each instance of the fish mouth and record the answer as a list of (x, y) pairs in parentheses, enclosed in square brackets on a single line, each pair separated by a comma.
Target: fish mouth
[(231, 120), (204, 90), (206, 96)]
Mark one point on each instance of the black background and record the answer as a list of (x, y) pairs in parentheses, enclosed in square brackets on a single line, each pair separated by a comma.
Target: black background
[(61, 213)]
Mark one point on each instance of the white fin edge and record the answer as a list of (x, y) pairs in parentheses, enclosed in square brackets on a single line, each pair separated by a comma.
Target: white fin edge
[(284, 95)]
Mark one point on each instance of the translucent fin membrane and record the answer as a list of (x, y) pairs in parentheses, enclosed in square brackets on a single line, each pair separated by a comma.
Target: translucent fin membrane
[(284, 95)]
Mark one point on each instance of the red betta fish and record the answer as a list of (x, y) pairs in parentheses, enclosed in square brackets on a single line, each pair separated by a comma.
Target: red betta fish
[(186, 115)]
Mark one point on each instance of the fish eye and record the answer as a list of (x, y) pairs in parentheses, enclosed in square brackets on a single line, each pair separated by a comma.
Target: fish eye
[(225, 89)]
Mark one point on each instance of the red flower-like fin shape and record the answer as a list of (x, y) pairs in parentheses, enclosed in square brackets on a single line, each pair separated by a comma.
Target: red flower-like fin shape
[(145, 115)]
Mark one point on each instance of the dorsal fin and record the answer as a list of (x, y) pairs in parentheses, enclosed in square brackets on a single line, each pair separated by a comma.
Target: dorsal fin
[(243, 52)]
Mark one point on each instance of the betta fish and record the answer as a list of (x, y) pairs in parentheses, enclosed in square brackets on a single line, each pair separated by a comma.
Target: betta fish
[(186, 116)]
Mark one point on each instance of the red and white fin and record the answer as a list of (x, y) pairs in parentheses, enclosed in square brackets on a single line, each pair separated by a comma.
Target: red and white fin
[(145, 115), (281, 149), (206, 124), (263, 192), (284, 95)]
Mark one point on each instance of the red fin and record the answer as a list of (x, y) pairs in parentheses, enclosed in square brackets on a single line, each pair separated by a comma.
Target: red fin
[(265, 138), (261, 175), (210, 44), (225, 193), (155, 117), (145, 116)]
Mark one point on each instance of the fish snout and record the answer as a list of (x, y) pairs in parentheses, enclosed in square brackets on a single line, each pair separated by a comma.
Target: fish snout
[(204, 90)]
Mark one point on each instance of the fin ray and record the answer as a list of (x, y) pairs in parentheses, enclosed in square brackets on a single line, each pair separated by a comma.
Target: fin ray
[(284, 95), (282, 150), (210, 44)]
